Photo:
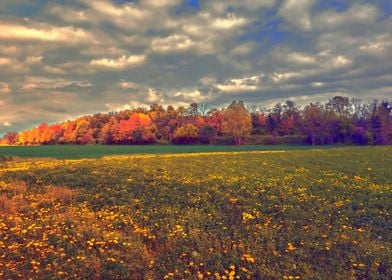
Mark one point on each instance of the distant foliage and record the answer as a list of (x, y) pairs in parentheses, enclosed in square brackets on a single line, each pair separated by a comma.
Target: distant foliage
[(340, 120), (187, 134), (207, 134), (11, 138)]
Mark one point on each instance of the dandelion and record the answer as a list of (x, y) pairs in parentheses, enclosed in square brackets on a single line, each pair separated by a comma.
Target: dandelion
[(247, 217), (290, 247), (248, 258), (243, 269)]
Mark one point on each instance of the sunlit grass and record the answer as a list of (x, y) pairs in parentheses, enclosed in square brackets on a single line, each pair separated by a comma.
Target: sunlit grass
[(98, 151)]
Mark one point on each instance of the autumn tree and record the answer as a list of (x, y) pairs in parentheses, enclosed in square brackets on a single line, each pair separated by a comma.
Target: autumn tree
[(56, 132), (137, 129), (105, 135), (237, 121), (68, 134), (187, 134), (23, 138), (33, 136), (312, 121), (215, 119), (43, 134), (290, 118), (381, 122), (11, 138)]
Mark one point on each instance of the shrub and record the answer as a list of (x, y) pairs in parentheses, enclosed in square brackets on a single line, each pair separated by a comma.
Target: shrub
[(223, 140), (187, 134), (207, 134)]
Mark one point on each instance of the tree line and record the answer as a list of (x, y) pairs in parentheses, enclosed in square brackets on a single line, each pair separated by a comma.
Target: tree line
[(340, 120)]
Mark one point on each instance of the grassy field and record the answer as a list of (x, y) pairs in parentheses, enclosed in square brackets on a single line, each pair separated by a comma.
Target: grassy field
[(97, 151), (300, 214)]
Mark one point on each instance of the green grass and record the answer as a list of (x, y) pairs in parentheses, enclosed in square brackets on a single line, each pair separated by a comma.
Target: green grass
[(314, 214), (98, 151)]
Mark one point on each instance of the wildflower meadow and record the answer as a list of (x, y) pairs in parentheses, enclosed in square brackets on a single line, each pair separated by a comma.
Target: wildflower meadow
[(300, 214)]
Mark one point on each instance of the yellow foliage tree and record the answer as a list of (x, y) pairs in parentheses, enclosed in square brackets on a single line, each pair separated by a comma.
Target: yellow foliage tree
[(237, 121)]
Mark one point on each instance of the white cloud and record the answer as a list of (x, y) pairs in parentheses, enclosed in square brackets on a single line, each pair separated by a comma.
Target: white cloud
[(124, 16), (378, 44), (32, 83), (70, 14), (9, 49), (284, 76), (241, 84), (153, 96), (243, 49), (340, 61), (54, 70), (127, 85), (207, 27), (160, 3), (301, 58), (5, 61), (5, 88), (208, 80), (119, 63), (386, 77), (231, 21), (172, 43), (191, 95), (357, 14), (116, 107), (43, 32), (34, 59), (297, 12), (134, 39), (12, 66), (109, 9), (317, 84)]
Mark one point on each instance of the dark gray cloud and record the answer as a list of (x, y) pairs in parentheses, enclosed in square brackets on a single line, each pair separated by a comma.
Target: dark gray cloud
[(62, 59)]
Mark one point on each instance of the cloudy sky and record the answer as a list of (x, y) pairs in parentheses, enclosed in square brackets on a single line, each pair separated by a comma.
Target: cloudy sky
[(61, 59)]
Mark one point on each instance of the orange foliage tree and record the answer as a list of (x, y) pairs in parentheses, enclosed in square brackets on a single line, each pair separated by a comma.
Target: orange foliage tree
[(138, 129)]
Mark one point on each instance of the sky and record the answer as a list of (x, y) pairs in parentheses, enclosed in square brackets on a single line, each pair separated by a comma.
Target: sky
[(62, 59)]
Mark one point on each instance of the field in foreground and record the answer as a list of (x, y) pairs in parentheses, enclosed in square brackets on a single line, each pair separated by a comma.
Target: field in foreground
[(98, 151), (311, 214)]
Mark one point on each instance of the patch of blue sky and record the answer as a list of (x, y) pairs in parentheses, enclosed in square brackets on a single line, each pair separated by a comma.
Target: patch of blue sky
[(385, 6), (337, 5), (124, 1), (269, 32), (193, 3), (26, 9), (189, 3)]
